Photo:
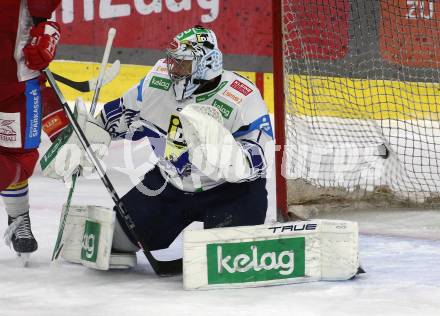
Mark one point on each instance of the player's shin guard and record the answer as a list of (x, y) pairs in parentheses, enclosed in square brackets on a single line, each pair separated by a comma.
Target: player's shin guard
[(19, 233), (16, 199)]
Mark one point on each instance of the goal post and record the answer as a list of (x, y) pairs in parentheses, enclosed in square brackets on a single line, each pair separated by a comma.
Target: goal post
[(279, 117), (357, 104)]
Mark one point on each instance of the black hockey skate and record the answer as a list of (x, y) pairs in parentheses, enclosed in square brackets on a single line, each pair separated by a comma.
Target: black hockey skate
[(19, 233)]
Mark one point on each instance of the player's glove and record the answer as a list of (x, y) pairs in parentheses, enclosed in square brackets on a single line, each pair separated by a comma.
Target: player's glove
[(66, 155), (42, 47), (211, 147)]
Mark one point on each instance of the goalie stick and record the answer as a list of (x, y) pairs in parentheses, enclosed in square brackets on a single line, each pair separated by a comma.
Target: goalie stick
[(110, 37), (161, 268), (91, 84), (97, 87), (59, 244)]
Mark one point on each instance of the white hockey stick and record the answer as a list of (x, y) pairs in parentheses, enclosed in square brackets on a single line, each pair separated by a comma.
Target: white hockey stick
[(110, 37), (99, 83), (109, 74)]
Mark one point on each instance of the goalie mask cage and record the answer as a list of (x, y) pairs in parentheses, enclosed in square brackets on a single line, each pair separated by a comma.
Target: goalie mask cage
[(357, 103)]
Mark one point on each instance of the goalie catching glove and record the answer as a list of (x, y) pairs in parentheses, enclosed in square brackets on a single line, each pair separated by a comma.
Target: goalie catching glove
[(67, 154), (212, 148)]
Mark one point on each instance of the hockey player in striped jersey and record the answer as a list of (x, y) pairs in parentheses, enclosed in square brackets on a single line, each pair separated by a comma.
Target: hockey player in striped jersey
[(28, 41)]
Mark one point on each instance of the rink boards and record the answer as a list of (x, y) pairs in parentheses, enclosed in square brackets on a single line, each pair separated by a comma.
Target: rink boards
[(309, 95)]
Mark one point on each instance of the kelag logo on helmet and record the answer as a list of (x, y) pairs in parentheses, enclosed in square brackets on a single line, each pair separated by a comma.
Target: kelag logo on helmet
[(193, 58), (256, 261)]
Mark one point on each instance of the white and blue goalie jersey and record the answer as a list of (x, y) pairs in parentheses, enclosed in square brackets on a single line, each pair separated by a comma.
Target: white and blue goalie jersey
[(150, 110)]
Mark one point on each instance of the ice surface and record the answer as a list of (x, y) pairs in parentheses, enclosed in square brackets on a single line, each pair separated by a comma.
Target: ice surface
[(400, 250)]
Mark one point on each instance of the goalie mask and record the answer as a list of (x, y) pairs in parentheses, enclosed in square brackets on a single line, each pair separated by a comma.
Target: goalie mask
[(193, 58)]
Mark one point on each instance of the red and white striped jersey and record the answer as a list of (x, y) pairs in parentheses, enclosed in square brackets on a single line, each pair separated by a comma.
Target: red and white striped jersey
[(15, 23)]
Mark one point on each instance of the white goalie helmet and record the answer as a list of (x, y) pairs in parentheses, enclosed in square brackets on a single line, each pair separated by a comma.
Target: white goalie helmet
[(193, 57)]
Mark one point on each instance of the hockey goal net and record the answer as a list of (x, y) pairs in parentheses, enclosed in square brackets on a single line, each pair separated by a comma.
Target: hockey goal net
[(358, 122)]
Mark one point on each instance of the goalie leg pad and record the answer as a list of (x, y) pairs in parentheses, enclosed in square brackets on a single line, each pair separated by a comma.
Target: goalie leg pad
[(264, 255), (88, 235)]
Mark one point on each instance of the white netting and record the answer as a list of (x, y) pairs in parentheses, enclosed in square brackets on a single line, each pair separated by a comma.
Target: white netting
[(362, 101)]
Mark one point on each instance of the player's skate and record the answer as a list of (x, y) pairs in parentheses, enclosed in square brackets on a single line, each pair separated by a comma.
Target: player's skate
[(19, 233)]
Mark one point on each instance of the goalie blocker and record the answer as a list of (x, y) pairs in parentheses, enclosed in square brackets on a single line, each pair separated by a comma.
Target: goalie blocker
[(264, 255)]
